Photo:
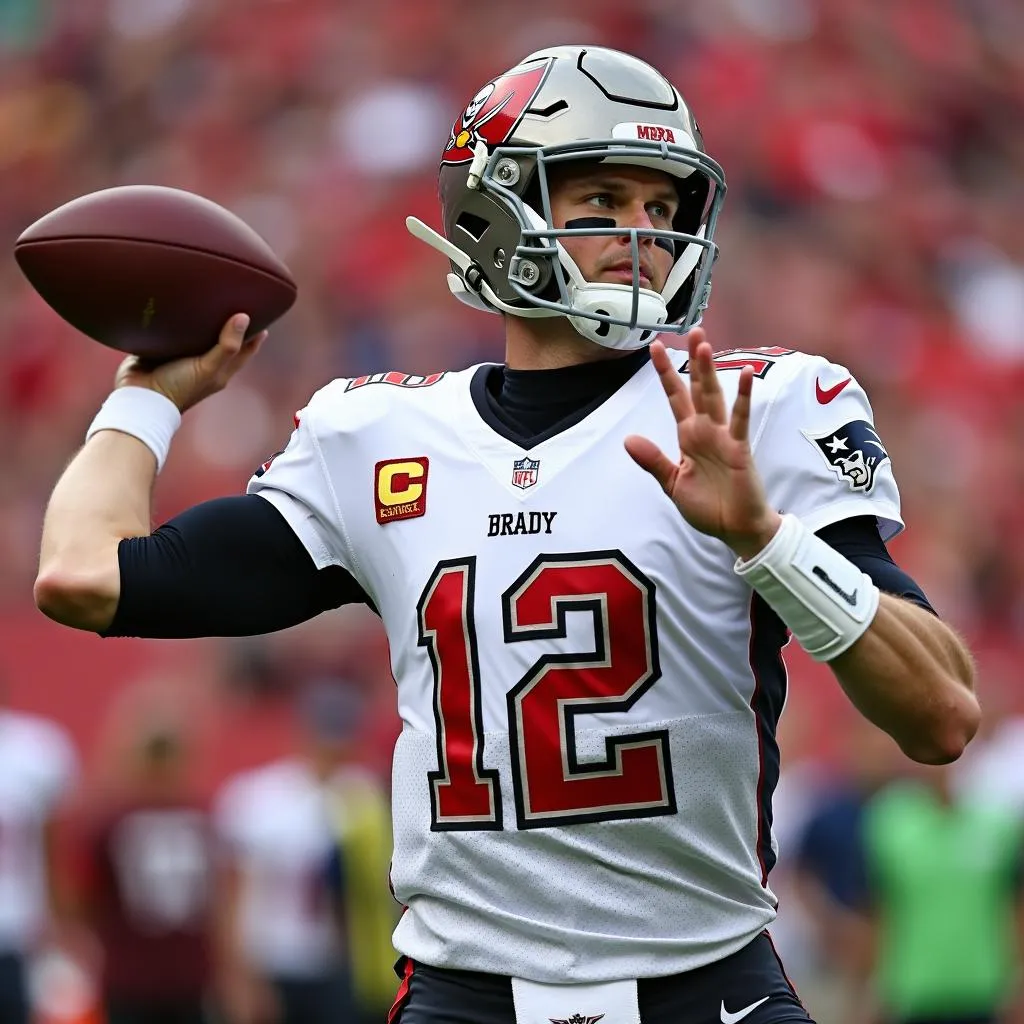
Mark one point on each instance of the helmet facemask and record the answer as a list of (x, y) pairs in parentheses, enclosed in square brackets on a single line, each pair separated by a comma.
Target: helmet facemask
[(546, 279), (620, 316)]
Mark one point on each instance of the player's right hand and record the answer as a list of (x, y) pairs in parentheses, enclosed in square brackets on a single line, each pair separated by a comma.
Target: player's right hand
[(714, 483), (188, 381)]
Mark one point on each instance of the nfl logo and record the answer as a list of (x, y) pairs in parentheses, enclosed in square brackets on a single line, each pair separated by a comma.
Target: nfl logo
[(524, 472)]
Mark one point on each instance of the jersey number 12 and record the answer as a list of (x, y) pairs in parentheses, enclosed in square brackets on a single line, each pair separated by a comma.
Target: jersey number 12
[(551, 784)]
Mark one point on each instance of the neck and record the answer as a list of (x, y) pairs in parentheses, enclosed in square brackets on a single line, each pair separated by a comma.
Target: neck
[(549, 344)]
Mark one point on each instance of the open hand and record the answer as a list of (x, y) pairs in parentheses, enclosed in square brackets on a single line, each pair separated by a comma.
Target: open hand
[(188, 381), (714, 483)]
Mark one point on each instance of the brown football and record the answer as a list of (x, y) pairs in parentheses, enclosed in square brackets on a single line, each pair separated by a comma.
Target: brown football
[(152, 270)]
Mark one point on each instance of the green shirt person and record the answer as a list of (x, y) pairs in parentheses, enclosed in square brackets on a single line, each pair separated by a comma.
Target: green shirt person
[(946, 884)]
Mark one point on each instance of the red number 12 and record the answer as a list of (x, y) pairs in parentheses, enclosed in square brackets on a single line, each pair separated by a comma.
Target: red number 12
[(551, 784)]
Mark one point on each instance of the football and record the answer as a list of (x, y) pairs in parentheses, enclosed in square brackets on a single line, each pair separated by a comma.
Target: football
[(153, 271)]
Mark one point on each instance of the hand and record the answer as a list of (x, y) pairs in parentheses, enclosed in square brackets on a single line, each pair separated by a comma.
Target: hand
[(715, 484), (188, 381)]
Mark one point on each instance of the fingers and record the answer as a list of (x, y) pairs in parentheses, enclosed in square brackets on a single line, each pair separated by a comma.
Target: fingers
[(232, 351), (704, 385), (232, 335), (230, 344), (676, 391), (647, 455), (249, 348), (739, 423)]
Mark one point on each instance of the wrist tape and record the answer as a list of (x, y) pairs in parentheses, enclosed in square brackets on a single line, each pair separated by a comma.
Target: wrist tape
[(144, 414), (825, 600)]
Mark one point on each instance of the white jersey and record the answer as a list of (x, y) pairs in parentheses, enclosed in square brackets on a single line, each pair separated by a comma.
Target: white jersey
[(37, 766), (276, 822), (589, 693)]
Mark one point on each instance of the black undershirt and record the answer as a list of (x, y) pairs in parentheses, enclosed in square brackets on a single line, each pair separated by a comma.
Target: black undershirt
[(234, 567), (529, 406)]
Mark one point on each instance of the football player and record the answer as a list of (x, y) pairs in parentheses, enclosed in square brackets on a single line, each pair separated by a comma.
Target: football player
[(143, 866), (587, 560), (39, 769)]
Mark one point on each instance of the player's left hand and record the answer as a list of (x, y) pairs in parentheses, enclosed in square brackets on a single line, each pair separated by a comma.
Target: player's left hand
[(714, 483)]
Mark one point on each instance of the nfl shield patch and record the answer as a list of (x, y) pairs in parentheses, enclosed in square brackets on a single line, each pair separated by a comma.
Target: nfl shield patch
[(854, 453), (524, 472)]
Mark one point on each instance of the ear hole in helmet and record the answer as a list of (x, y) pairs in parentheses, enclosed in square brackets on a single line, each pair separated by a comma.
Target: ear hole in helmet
[(473, 225)]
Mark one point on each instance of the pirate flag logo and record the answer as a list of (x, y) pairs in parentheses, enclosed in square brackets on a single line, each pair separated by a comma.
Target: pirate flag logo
[(494, 112)]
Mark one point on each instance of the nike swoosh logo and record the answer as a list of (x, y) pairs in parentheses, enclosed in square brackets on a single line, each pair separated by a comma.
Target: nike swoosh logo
[(825, 395), (850, 599), (732, 1018)]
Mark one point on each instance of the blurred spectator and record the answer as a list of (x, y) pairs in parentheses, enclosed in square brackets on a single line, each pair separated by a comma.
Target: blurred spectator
[(284, 959), (357, 872), (37, 768), (144, 871), (946, 884), (827, 865), (993, 773)]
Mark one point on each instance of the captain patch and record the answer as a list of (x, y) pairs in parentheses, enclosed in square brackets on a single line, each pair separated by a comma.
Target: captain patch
[(853, 452), (400, 489)]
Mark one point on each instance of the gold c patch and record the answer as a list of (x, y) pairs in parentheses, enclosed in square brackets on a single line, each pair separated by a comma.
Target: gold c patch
[(400, 489)]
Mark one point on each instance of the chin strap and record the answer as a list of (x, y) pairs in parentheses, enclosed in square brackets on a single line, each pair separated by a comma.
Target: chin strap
[(472, 287)]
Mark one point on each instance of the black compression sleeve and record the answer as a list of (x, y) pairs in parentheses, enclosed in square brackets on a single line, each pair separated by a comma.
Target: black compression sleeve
[(228, 567), (858, 538)]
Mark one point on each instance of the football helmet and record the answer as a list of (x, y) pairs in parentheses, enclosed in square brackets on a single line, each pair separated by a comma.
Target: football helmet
[(562, 104)]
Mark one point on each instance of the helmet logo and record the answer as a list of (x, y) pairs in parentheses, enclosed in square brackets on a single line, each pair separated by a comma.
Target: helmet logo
[(494, 113)]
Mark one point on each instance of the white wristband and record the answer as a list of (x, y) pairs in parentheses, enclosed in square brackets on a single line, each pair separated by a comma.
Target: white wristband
[(143, 413), (826, 601)]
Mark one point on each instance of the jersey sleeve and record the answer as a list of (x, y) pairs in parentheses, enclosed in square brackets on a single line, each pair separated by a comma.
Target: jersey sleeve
[(818, 451), (297, 483)]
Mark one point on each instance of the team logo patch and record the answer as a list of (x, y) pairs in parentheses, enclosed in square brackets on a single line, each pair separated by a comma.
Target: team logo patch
[(525, 472), (494, 112), (853, 452), (576, 1018), (400, 489)]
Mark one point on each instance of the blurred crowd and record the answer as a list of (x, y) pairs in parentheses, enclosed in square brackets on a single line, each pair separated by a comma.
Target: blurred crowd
[(875, 214), (136, 893)]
